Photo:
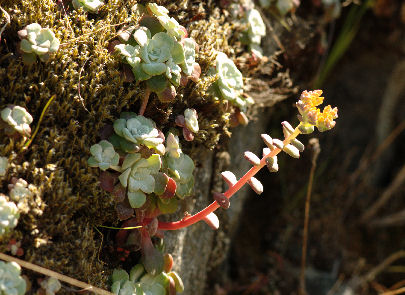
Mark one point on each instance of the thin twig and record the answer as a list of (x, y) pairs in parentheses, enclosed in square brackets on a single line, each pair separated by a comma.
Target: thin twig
[(50, 273), (395, 292), (7, 17), (78, 86), (315, 153), (385, 197)]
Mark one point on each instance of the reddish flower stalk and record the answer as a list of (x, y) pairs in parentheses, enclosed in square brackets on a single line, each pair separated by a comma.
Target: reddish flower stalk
[(187, 221)]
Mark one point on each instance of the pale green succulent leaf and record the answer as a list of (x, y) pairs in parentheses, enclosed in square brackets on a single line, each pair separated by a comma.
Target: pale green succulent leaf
[(184, 166), (136, 199), (123, 178), (178, 53), (157, 83), (185, 189)]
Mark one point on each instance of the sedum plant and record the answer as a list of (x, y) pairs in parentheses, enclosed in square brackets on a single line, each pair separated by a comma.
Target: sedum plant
[(8, 215), (88, 5), (139, 282), (18, 120), (103, 156), (189, 123), (3, 165), (310, 116), (256, 30), (138, 175), (229, 86), (37, 41), (159, 53), (11, 282), (50, 285), (133, 131), (19, 190)]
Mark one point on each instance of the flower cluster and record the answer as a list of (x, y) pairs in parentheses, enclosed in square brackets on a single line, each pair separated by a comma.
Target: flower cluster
[(311, 116), (37, 41), (159, 53)]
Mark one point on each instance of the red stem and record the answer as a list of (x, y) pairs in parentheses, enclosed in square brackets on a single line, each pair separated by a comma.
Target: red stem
[(187, 221)]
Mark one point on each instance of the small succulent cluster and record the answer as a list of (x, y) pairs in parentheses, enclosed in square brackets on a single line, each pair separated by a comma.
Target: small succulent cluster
[(159, 52), (8, 215), (11, 282), (138, 281), (91, 6), (37, 41), (16, 120), (49, 286), (229, 85), (256, 30), (282, 6), (144, 172), (189, 123)]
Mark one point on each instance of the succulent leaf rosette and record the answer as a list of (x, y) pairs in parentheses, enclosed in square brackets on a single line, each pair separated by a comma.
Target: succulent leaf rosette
[(8, 215), (18, 120), (158, 52), (11, 282), (103, 156), (230, 82), (139, 130), (88, 5), (256, 31), (137, 175), (37, 41), (181, 169), (140, 282)]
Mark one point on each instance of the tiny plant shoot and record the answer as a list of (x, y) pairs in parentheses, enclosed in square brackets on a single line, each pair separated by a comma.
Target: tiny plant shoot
[(310, 117)]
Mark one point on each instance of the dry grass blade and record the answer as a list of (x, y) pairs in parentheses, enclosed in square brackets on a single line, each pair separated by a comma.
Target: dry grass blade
[(315, 153), (385, 197), (394, 292), (397, 218), (50, 273)]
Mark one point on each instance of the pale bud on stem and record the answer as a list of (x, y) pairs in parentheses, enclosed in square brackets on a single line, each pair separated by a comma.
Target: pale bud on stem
[(229, 178), (292, 151), (272, 164), (278, 143), (212, 220), (252, 158), (256, 185), (268, 141)]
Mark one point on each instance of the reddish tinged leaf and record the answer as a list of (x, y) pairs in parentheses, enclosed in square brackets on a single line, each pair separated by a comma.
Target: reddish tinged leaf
[(222, 200), (242, 118), (127, 74), (152, 227), (185, 31), (111, 46), (152, 259), (170, 189), (161, 135), (168, 262), (171, 288), (188, 135), (124, 212), (256, 185), (106, 132), (168, 94), (122, 235), (119, 193), (180, 121), (183, 80), (195, 75), (107, 181)]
